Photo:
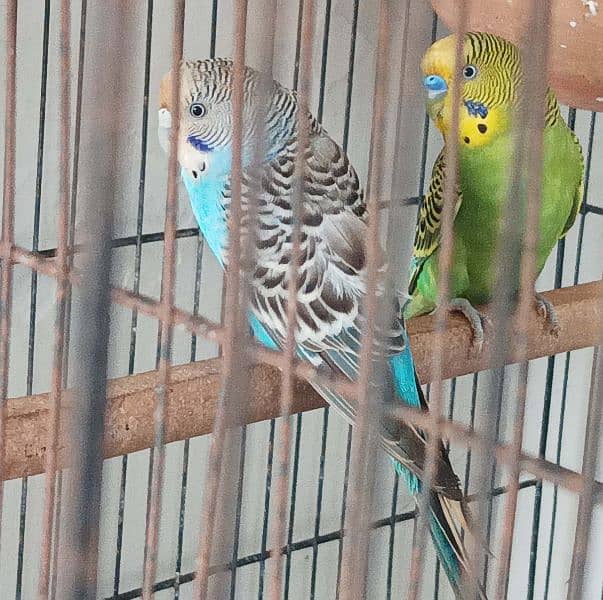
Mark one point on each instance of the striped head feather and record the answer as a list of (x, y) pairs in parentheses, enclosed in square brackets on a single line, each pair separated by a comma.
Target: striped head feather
[(205, 133), (489, 91)]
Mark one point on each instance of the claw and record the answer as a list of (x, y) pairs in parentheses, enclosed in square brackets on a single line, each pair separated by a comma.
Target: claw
[(479, 323), (547, 311)]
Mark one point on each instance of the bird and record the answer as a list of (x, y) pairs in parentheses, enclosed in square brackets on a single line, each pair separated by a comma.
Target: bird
[(331, 275), (490, 95)]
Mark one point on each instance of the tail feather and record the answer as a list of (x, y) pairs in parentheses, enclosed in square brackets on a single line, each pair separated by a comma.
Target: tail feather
[(448, 519)]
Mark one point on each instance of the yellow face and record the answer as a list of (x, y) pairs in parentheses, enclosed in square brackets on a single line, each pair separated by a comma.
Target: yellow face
[(491, 72)]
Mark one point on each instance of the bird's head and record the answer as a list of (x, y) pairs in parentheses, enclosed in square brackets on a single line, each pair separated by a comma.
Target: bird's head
[(205, 135), (491, 76)]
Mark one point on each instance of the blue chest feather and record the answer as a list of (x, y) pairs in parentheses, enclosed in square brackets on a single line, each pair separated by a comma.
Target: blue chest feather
[(206, 201)]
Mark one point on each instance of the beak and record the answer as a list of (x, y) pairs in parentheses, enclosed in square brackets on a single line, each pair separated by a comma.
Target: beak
[(164, 125), (192, 160), (435, 86)]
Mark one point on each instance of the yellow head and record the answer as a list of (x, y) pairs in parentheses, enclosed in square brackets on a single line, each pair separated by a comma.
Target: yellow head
[(488, 91)]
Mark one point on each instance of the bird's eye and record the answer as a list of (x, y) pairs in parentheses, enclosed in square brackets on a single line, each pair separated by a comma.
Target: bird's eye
[(197, 110), (469, 72)]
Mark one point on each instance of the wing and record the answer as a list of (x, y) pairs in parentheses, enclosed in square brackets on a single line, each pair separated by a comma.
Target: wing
[(331, 288), (427, 232), (578, 196), (331, 271)]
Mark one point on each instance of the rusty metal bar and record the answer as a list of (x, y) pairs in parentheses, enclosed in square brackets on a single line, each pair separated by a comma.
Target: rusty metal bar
[(445, 253), (355, 565), (281, 483), (217, 498), (194, 387), (166, 318), (140, 302), (62, 292), (8, 218), (535, 65), (77, 130), (402, 223), (504, 453), (84, 433), (588, 497)]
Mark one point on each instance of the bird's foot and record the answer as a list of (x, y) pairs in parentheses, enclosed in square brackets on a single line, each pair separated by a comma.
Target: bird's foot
[(547, 311), (479, 323)]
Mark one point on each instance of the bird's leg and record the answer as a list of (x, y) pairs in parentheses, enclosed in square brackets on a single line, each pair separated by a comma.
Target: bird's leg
[(479, 323), (547, 311)]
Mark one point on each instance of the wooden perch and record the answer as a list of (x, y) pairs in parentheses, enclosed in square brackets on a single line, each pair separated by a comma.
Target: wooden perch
[(194, 388)]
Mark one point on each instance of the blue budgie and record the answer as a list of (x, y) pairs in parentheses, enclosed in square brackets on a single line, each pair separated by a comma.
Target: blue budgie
[(331, 276)]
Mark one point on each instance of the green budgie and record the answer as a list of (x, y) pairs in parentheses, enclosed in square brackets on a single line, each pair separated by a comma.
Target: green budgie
[(492, 75)]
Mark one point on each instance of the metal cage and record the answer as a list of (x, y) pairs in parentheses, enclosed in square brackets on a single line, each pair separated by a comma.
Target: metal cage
[(90, 325)]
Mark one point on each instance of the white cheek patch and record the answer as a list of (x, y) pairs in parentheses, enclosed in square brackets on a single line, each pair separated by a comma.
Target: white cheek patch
[(435, 94), (164, 126)]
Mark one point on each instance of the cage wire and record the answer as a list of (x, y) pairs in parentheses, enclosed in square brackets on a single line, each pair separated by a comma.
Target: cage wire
[(90, 211)]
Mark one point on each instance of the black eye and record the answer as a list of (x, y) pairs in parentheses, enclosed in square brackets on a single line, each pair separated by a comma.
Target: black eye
[(197, 110), (469, 72)]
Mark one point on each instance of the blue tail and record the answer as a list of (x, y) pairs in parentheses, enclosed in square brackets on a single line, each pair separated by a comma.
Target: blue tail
[(449, 515)]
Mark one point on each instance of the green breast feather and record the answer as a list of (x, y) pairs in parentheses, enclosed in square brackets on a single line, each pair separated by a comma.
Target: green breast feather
[(484, 177)]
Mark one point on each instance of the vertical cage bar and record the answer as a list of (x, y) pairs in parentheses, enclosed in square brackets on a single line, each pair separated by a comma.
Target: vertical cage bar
[(71, 243), (279, 483), (186, 446), (166, 320), (495, 417), (535, 65), (92, 334), (34, 279), (586, 504), (61, 298), (8, 218), (238, 514), (260, 148), (399, 230), (508, 277), (370, 392), (300, 417), (325, 418), (398, 181), (228, 410), (267, 492), (193, 357), (436, 400), (289, 350), (344, 145), (136, 284)]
